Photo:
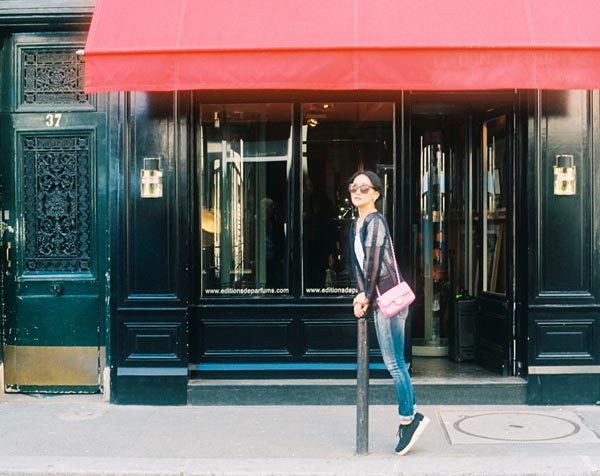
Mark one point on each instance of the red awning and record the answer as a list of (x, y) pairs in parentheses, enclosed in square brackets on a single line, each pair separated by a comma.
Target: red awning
[(162, 45)]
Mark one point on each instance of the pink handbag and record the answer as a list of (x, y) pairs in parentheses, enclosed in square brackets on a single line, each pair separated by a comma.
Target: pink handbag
[(396, 299)]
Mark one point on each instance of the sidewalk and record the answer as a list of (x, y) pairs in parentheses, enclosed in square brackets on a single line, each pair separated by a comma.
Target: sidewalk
[(82, 435)]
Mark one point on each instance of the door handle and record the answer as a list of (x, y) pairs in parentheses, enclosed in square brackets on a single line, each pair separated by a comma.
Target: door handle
[(56, 289), (4, 227), (8, 260)]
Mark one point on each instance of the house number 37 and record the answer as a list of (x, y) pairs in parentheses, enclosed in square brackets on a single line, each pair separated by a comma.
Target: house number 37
[(53, 120)]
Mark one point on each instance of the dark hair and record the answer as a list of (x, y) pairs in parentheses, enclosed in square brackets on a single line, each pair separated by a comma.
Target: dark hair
[(372, 176)]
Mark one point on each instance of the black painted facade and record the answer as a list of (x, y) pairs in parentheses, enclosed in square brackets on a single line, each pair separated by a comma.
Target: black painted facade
[(139, 271)]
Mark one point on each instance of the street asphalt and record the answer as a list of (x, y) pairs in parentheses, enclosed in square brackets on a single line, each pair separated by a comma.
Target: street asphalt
[(84, 435)]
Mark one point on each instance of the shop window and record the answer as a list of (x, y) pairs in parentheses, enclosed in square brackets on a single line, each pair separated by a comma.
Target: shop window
[(337, 140), (247, 154), (246, 183)]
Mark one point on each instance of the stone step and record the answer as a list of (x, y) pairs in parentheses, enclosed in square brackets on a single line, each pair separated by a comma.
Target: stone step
[(429, 391)]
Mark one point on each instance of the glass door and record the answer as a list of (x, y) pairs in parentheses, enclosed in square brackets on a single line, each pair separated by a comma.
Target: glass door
[(495, 260), (495, 200), (442, 225)]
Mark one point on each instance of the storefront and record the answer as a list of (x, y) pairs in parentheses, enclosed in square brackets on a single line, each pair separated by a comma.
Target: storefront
[(217, 161)]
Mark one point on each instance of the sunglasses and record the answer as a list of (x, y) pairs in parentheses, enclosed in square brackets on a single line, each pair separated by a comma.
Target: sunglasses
[(360, 188)]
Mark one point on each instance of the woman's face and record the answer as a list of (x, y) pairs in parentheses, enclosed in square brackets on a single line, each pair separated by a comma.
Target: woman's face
[(362, 192)]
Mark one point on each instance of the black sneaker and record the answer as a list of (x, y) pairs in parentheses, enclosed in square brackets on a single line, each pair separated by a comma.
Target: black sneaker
[(409, 434)]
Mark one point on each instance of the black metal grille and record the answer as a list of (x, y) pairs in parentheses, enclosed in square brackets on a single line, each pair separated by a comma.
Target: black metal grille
[(57, 203), (52, 76)]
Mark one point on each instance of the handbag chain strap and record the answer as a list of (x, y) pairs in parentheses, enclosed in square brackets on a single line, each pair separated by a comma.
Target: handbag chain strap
[(395, 265)]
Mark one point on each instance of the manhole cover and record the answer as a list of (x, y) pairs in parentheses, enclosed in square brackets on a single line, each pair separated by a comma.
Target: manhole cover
[(515, 427)]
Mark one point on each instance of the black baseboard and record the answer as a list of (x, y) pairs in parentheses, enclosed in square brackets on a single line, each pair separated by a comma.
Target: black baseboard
[(150, 386), (570, 389), (171, 386)]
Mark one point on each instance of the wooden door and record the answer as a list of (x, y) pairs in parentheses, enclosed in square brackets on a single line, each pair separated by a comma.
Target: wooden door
[(54, 208)]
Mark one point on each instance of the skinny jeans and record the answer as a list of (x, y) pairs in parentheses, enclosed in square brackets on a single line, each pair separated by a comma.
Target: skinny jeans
[(390, 334)]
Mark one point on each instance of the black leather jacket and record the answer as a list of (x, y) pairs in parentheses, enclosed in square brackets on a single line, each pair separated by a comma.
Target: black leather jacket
[(379, 269)]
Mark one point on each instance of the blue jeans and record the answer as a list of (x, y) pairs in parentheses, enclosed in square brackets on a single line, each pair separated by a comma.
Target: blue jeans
[(390, 334)]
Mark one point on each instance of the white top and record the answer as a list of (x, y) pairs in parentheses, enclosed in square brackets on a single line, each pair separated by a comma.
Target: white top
[(359, 250)]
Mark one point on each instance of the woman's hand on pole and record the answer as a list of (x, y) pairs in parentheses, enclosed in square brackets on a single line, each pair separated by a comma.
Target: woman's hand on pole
[(360, 307)]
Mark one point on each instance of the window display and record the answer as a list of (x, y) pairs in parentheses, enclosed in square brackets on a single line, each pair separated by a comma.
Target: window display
[(247, 181), (337, 140), (244, 205)]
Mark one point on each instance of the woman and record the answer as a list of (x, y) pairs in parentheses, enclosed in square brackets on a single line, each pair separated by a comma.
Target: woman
[(374, 270)]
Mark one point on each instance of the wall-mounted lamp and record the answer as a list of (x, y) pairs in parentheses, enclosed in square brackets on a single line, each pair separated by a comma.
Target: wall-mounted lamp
[(152, 178), (312, 122), (216, 120), (565, 175)]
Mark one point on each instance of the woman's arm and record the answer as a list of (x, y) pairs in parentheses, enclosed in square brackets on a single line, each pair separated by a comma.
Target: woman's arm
[(356, 270), (359, 304), (374, 244)]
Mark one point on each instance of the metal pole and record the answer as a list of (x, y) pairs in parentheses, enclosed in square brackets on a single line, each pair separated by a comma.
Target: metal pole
[(362, 384)]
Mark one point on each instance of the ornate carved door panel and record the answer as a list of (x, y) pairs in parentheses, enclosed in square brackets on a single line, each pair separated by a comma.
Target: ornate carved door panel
[(54, 259)]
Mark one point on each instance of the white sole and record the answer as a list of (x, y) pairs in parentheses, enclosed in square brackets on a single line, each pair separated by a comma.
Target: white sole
[(420, 430)]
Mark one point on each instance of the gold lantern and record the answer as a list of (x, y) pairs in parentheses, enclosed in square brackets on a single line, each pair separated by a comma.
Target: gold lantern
[(565, 175), (151, 178)]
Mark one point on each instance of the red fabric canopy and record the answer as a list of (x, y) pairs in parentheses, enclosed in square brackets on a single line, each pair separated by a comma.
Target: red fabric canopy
[(164, 45)]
